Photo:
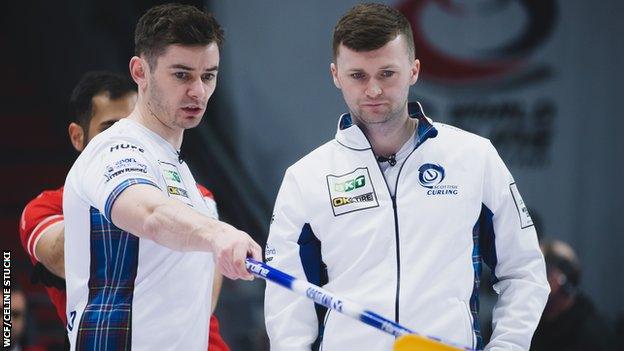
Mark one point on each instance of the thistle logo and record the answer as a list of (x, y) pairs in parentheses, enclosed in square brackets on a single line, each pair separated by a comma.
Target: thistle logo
[(350, 184), (430, 175)]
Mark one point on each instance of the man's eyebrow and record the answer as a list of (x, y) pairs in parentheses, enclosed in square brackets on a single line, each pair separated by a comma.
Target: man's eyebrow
[(187, 68), (181, 66), (390, 66)]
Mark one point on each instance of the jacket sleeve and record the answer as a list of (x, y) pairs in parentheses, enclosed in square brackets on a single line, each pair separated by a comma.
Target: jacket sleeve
[(515, 258), (291, 320)]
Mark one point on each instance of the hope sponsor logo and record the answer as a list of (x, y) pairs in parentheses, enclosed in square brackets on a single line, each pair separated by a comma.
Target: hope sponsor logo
[(431, 176), (324, 299), (351, 192), (124, 146)]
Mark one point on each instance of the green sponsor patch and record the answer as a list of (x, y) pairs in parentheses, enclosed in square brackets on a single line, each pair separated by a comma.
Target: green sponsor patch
[(350, 184)]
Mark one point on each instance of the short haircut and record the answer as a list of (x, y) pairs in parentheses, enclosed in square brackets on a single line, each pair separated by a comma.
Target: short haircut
[(170, 24), (368, 27), (95, 83)]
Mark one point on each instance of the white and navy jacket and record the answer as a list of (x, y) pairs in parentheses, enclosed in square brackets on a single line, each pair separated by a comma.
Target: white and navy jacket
[(415, 257)]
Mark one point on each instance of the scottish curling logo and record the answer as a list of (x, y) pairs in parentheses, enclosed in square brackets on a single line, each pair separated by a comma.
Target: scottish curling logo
[(431, 176)]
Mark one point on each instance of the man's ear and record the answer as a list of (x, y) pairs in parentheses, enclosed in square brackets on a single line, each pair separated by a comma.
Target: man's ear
[(77, 136), (415, 70), (334, 73), (138, 69)]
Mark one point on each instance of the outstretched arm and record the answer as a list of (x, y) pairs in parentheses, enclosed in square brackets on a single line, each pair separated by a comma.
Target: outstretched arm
[(146, 212)]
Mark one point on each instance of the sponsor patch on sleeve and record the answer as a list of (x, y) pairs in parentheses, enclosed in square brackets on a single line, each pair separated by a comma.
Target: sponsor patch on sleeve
[(173, 179), (351, 192), (523, 212), (124, 166)]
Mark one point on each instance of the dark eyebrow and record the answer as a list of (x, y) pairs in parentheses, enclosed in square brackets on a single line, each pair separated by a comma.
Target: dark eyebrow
[(180, 66), (187, 68)]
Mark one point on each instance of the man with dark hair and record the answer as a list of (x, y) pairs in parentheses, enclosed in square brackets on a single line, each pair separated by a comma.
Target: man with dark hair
[(141, 242), (570, 321), (172, 24), (397, 213), (98, 91), (98, 101)]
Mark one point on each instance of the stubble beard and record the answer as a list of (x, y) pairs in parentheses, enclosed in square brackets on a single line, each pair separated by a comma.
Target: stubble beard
[(156, 106), (368, 121)]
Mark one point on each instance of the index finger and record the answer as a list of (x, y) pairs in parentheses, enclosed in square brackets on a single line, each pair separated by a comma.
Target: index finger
[(238, 259), (255, 251)]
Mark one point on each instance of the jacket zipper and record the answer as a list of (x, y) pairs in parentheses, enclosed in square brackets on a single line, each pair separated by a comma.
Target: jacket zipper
[(325, 320), (396, 218), (396, 229), (398, 252)]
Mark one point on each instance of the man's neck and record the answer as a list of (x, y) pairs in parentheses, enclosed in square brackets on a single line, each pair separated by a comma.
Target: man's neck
[(143, 114), (387, 138)]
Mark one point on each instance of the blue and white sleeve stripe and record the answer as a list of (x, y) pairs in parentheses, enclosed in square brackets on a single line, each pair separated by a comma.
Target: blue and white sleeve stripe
[(118, 190)]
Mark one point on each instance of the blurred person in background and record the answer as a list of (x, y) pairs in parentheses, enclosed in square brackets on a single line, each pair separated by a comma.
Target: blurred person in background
[(98, 101), (19, 315), (570, 321)]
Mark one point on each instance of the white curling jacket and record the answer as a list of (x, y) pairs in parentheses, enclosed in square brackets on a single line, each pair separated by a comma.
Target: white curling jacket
[(416, 257)]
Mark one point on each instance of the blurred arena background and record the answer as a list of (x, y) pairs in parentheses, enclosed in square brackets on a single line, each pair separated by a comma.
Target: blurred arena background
[(542, 79)]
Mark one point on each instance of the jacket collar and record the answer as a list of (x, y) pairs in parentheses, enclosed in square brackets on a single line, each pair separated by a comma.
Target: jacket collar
[(351, 136)]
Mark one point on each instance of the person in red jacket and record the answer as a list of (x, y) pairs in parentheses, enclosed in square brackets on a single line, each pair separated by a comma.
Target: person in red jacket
[(98, 101)]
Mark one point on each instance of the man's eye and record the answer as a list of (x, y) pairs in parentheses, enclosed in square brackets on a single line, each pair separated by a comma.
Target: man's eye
[(357, 75), (208, 76), (387, 74), (181, 75)]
